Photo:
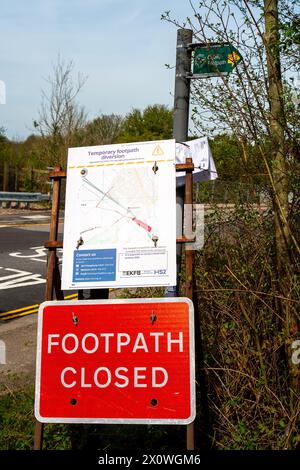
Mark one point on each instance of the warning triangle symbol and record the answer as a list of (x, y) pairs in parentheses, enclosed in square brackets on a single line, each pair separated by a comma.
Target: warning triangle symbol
[(158, 151)]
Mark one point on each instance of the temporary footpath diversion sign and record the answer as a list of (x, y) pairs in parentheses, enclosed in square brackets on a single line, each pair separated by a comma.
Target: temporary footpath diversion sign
[(116, 361), (116, 233)]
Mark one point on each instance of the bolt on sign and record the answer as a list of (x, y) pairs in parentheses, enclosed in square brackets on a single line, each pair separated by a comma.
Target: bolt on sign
[(214, 60), (116, 361)]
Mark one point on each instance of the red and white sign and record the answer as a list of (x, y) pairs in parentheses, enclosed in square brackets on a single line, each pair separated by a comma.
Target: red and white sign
[(116, 361)]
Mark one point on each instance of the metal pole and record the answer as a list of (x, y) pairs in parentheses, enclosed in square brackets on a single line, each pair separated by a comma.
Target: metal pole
[(51, 266), (189, 263), (183, 194), (182, 85), (181, 124)]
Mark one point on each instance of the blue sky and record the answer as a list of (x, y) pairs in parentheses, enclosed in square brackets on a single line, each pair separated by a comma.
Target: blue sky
[(120, 45)]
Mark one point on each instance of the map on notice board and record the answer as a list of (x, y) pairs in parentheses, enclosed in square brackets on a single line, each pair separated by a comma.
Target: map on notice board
[(120, 216)]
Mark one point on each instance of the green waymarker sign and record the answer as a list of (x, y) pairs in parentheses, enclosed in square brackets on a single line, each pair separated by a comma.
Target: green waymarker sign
[(213, 60)]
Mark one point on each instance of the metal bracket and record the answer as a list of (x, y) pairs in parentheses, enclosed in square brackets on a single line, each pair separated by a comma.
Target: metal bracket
[(194, 45), (189, 75)]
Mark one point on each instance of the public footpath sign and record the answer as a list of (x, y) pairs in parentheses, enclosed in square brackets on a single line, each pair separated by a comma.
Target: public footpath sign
[(213, 60), (116, 361)]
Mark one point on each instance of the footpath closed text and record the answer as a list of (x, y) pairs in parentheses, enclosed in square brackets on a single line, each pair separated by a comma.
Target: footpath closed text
[(121, 346)]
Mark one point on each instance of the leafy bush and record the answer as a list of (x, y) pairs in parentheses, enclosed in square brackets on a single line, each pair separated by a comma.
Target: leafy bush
[(244, 337)]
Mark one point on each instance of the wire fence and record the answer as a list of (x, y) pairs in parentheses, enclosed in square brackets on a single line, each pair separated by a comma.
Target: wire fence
[(230, 192)]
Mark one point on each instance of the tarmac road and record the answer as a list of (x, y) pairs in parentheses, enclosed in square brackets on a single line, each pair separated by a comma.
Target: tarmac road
[(22, 284), (22, 268), (22, 258), (21, 217)]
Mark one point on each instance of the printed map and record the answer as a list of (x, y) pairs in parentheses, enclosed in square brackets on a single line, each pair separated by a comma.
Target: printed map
[(120, 216)]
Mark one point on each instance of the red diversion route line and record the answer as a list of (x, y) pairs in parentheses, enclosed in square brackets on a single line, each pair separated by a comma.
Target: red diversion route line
[(142, 224)]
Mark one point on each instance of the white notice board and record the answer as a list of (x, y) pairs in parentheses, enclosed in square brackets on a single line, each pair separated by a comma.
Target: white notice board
[(120, 216)]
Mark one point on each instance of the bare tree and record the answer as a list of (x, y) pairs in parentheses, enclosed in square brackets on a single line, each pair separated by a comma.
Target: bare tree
[(60, 116)]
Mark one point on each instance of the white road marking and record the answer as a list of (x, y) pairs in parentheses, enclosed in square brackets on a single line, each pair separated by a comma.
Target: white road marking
[(41, 252), (19, 279)]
